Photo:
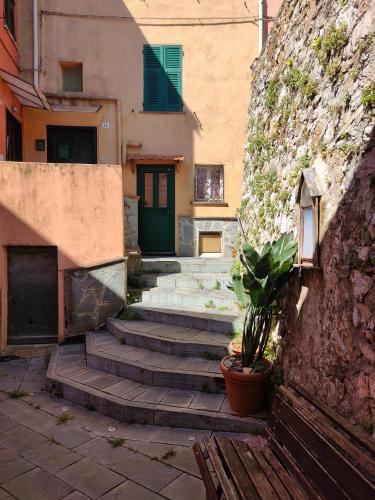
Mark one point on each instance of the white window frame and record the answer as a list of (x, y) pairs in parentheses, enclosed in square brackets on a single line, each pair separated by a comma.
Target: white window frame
[(208, 167)]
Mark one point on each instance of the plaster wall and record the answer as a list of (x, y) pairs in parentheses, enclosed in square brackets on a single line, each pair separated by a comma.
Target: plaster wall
[(219, 41), (77, 208)]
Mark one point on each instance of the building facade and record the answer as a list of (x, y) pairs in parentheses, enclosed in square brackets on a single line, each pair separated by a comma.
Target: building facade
[(160, 88)]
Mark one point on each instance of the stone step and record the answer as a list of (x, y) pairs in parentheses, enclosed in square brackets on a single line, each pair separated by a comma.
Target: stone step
[(155, 369), (207, 281), (223, 300), (186, 265), (129, 401), (210, 320), (169, 339)]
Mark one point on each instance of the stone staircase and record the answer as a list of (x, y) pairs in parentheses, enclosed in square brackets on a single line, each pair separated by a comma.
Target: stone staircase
[(163, 368)]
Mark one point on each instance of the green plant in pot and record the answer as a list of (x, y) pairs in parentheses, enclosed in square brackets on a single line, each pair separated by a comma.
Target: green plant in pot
[(258, 288)]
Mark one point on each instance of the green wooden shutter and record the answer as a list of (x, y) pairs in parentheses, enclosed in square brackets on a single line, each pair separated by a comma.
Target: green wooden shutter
[(153, 77), (173, 77), (162, 78)]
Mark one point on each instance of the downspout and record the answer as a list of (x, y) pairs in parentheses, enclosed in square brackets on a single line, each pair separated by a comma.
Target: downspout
[(35, 43), (261, 24)]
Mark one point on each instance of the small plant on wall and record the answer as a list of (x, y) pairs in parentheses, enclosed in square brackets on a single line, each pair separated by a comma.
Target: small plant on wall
[(258, 287)]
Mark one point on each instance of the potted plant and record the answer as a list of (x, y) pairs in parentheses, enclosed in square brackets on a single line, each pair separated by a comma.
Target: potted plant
[(258, 288)]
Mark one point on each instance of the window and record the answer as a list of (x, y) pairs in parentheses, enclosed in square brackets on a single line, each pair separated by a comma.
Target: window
[(72, 80), (9, 16), (162, 78), (209, 183), (308, 199)]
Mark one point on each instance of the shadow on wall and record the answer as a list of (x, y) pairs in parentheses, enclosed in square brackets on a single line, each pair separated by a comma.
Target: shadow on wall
[(45, 294), (329, 330)]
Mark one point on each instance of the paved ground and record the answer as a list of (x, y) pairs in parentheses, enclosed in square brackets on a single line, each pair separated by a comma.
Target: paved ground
[(51, 449)]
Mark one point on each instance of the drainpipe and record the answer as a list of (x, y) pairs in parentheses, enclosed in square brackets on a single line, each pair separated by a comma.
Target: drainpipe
[(36, 43), (261, 24)]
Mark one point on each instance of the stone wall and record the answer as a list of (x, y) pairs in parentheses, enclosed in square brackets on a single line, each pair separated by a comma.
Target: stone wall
[(190, 227), (313, 105), (92, 295), (131, 223)]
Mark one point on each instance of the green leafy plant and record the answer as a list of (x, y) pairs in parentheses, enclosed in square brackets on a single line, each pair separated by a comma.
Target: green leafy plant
[(64, 417), (115, 441), (259, 288), (368, 96), (210, 304), (17, 394), (217, 285)]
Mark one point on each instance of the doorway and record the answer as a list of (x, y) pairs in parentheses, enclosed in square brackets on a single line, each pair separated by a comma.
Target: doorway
[(13, 138), (156, 217), (71, 144), (32, 295)]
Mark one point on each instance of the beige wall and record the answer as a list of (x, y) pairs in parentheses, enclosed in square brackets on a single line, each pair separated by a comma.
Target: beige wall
[(77, 208), (217, 56)]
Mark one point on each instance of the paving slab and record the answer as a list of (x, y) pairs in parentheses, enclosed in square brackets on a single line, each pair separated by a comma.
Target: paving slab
[(90, 478), (4, 495), (152, 395), (136, 432), (205, 401), (183, 437), (69, 435), (36, 485), (135, 466), (76, 495), (6, 423), (20, 438), (178, 397), (184, 488), (180, 457), (11, 465), (132, 491), (51, 456)]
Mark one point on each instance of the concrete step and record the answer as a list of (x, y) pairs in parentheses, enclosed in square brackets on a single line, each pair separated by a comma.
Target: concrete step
[(104, 352), (162, 265), (130, 401), (169, 339), (211, 320), (223, 300), (207, 281)]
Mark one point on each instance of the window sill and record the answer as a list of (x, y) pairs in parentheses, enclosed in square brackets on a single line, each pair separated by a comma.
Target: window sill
[(162, 112), (209, 204), (307, 266)]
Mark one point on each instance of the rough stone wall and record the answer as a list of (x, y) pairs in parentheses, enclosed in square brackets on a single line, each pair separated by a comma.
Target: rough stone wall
[(92, 295), (313, 105)]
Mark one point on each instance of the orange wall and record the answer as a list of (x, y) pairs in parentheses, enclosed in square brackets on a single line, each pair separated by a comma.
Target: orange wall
[(9, 61), (78, 208)]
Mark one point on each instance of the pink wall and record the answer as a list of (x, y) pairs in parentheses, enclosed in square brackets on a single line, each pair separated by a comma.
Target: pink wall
[(272, 8), (77, 208)]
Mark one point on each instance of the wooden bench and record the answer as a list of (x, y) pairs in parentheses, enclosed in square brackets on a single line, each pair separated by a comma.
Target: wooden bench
[(307, 452)]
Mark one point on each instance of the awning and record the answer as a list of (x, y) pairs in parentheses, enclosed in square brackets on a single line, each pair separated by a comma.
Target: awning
[(25, 92), (133, 158)]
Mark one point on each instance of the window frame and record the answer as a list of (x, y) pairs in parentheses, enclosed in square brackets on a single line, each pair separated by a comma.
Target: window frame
[(210, 201), (64, 65), (315, 206), (9, 17)]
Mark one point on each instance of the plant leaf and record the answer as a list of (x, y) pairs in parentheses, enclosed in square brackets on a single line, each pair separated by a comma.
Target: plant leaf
[(262, 267), (251, 255), (239, 290)]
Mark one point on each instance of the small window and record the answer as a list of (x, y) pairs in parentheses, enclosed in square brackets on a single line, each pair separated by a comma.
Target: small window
[(308, 199), (9, 16), (72, 77), (209, 183)]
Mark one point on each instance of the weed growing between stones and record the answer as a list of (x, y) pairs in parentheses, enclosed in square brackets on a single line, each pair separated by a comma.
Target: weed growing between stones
[(130, 315), (115, 441), (210, 304), (17, 394), (330, 43), (64, 417), (217, 285), (368, 97), (169, 454)]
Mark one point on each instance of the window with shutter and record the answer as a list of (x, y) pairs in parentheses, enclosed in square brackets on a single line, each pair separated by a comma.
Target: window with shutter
[(162, 78)]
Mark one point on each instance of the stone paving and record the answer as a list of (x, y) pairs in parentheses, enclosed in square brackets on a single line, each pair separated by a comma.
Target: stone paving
[(52, 449)]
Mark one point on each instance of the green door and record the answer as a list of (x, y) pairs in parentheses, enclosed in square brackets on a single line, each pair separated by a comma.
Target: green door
[(156, 224)]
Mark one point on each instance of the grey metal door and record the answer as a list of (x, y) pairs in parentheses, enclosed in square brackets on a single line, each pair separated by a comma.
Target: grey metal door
[(32, 295)]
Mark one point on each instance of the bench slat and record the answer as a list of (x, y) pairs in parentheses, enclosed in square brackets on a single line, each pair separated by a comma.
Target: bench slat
[(205, 473), (270, 474), (290, 483), (260, 481), (318, 420), (238, 473), (304, 489), (227, 487), (306, 462), (347, 476)]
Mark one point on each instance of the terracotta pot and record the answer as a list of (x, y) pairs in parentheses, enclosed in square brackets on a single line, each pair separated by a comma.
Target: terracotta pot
[(246, 392), (233, 349)]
